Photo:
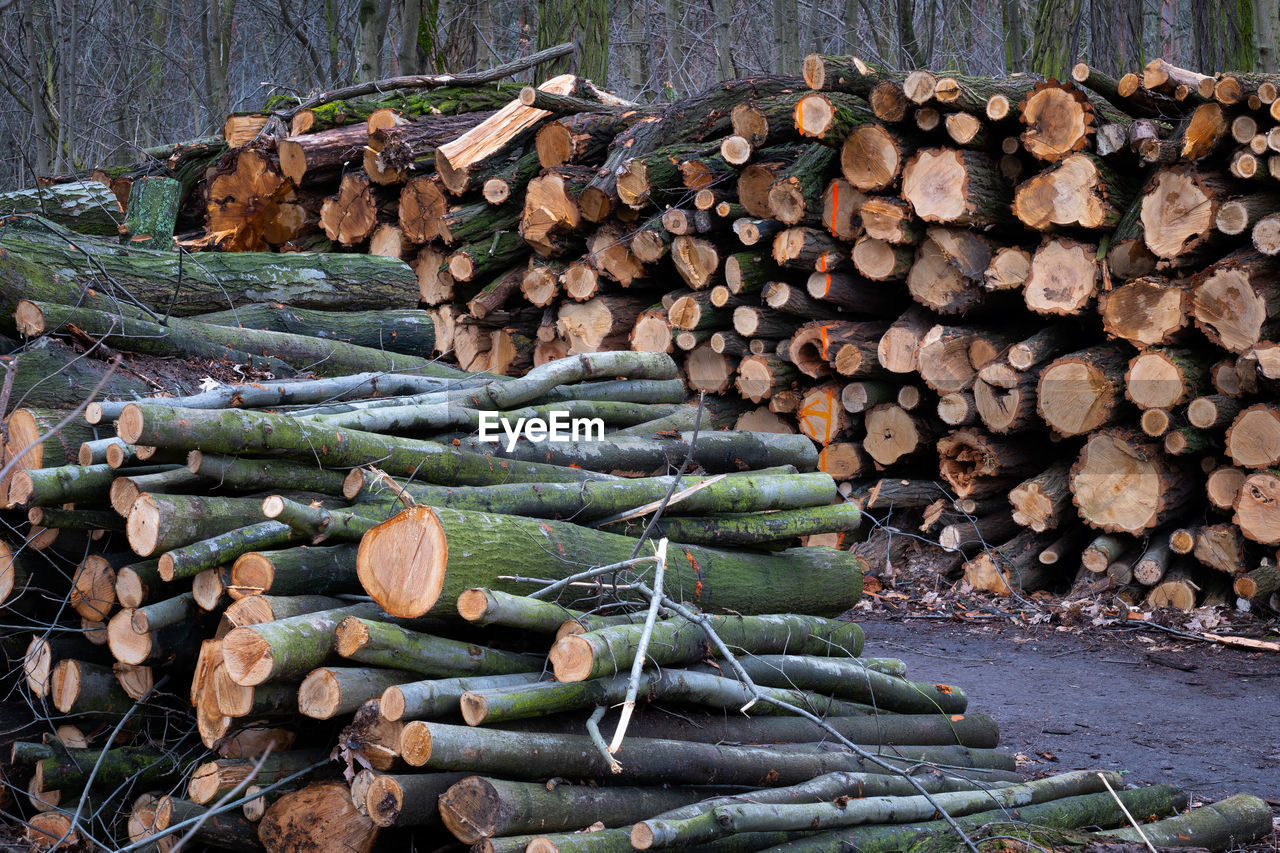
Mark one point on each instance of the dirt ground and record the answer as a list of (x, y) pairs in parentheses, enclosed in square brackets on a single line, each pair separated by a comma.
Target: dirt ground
[(1200, 716)]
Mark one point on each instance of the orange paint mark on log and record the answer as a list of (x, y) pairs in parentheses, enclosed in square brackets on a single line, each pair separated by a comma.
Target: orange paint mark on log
[(943, 688), (955, 718)]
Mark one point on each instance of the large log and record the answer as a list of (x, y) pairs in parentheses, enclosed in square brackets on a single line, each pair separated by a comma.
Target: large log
[(955, 187), (1122, 483), (453, 551), (60, 272), (1147, 311), (1236, 301), (1080, 392)]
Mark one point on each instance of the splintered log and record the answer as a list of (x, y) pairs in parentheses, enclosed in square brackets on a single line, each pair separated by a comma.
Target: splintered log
[(1148, 311), (1063, 277), (899, 347), (938, 279), (1080, 392), (967, 457), (321, 818), (1042, 502), (552, 217), (849, 347), (1008, 270), (1237, 300), (1058, 118), (1257, 508), (451, 551), (1081, 191), (942, 358), (1005, 399), (602, 323), (1123, 483), (890, 219), (1179, 209), (955, 187)]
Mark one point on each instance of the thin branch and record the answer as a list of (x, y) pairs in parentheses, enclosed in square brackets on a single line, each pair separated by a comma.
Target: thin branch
[(593, 729), (642, 649), (430, 81)]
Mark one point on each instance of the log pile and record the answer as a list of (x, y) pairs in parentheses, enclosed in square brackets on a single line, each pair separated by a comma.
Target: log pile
[(895, 290), (929, 277)]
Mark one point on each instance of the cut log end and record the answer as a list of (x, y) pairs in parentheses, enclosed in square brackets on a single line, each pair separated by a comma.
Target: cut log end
[(402, 562)]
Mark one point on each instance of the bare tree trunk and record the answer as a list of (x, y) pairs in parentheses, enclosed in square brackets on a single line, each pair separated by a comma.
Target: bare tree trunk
[(724, 39), (373, 30), (639, 67), (1266, 28), (407, 51), (1222, 35), (38, 57), (1055, 37), (1015, 39), (1115, 28), (217, 57), (911, 51), (672, 50), (586, 24)]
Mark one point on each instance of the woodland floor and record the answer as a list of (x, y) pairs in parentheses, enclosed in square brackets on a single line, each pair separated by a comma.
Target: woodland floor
[(1200, 716)]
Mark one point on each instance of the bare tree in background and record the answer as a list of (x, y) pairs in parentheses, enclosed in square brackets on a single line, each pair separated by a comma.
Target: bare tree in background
[(86, 83)]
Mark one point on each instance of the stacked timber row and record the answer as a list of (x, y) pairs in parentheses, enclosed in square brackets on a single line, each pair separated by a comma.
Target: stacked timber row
[(383, 633), (937, 279)]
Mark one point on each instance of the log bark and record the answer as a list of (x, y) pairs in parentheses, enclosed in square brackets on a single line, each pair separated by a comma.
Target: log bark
[(369, 641), (439, 571), (437, 746)]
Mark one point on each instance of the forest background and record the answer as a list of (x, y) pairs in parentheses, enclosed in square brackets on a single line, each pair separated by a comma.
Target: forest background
[(87, 83)]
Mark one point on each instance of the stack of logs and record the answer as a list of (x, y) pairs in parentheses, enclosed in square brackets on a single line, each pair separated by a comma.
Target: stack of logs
[(369, 664), (929, 276)]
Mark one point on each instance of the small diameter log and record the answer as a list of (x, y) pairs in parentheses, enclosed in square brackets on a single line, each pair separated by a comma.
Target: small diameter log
[(731, 819), (437, 746), (890, 219), (759, 529), (285, 648), (1259, 583), (1123, 483), (1042, 502), (609, 650), (407, 799), (1223, 486), (381, 644), (761, 376), (477, 808), (439, 697), (329, 691), (492, 607), (1177, 590), (1234, 821), (158, 523), (1078, 393), (81, 687), (899, 347), (841, 204), (232, 431), (453, 550), (806, 249), (854, 294)]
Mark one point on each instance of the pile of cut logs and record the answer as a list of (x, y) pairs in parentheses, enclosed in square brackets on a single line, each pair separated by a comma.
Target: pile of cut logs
[(928, 276), (350, 602), (930, 279)]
